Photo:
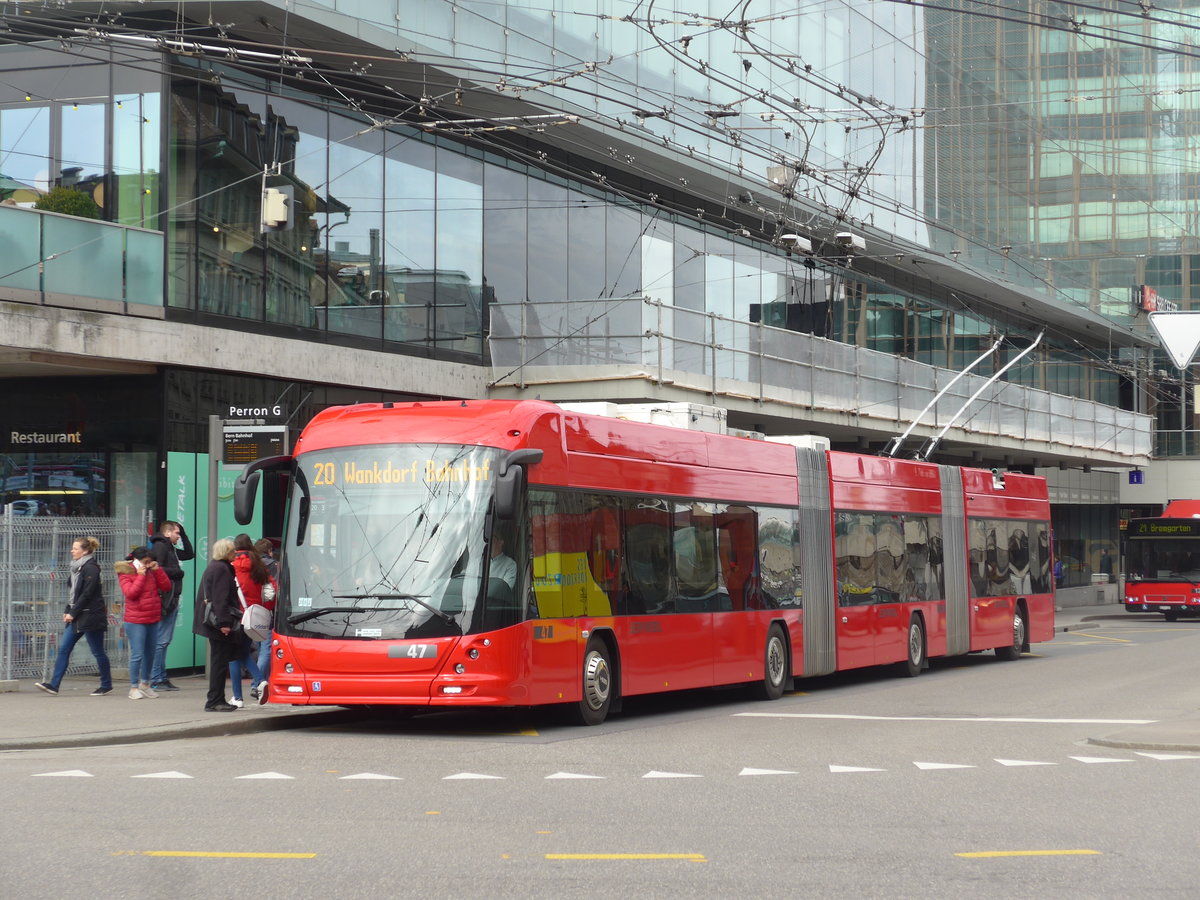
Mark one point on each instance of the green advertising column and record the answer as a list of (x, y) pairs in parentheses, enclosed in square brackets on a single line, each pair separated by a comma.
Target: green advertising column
[(187, 502)]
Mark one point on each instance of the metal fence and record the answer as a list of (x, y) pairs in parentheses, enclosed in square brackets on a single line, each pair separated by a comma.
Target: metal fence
[(35, 557)]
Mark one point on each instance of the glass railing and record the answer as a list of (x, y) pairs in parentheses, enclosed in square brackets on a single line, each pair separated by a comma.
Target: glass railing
[(53, 254), (637, 337), (1176, 443)]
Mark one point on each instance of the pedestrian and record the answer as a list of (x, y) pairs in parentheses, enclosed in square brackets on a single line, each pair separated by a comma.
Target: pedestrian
[(1106, 565), (171, 546), (142, 583), (218, 593), (251, 577), (1058, 573), (86, 616), (266, 552)]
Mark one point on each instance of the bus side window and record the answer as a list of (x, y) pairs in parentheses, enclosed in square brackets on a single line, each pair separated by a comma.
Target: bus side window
[(604, 556), (855, 547), (779, 558), (737, 533), (648, 557), (543, 521), (693, 549)]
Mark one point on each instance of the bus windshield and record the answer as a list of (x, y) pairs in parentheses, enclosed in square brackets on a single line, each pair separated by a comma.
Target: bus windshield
[(1163, 559), (393, 543)]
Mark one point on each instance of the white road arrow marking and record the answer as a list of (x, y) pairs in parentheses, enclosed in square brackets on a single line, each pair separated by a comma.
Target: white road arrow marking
[(369, 776), (69, 773), (1023, 762), (1168, 755), (653, 774), (570, 775), (162, 775), (468, 776), (853, 769), (265, 776), (766, 772), (1099, 759), (927, 765)]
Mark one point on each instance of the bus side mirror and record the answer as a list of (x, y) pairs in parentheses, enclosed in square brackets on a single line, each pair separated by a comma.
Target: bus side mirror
[(245, 492), (245, 489), (510, 481)]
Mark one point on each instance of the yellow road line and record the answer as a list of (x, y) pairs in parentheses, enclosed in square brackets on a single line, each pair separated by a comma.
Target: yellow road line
[(227, 855), (1101, 637), (694, 857), (987, 854)]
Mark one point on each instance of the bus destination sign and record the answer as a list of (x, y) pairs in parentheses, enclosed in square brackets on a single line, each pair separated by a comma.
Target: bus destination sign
[(1165, 528)]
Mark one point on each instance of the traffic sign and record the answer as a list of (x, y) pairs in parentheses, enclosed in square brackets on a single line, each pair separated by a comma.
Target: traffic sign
[(1179, 333)]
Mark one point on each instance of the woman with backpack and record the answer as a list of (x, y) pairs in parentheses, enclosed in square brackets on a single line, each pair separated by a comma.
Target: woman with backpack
[(251, 577), (86, 616)]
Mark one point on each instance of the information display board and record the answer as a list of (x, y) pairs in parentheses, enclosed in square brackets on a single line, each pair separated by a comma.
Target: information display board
[(243, 444)]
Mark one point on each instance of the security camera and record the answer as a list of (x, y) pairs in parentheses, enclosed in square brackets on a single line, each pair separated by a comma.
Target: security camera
[(794, 243), (850, 240)]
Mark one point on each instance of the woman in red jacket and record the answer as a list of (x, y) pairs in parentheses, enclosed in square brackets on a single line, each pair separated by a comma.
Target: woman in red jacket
[(251, 575), (141, 580)]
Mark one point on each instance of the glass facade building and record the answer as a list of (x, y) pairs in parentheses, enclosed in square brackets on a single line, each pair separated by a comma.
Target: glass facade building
[(539, 188)]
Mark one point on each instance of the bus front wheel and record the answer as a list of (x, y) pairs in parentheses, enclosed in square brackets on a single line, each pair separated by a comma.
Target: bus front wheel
[(775, 665), (597, 684)]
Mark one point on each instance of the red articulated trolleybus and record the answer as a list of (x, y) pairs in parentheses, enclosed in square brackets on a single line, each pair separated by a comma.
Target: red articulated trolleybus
[(518, 553), (1162, 562)]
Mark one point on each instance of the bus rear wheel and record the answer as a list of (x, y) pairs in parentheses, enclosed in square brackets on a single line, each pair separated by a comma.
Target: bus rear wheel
[(775, 665), (592, 708), (914, 660), (1020, 630)]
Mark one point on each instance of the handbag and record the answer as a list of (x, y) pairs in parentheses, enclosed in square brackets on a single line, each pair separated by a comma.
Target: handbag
[(256, 622), (210, 617)]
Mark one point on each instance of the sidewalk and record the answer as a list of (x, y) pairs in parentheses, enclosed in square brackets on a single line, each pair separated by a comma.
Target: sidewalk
[(1180, 735), (33, 720)]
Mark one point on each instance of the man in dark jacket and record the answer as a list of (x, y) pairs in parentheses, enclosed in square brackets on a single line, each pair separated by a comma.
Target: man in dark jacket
[(169, 556)]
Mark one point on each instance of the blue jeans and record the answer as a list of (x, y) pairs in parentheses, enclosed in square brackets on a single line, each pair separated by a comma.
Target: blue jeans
[(162, 640), (264, 658), (95, 641), (141, 650), (245, 658)]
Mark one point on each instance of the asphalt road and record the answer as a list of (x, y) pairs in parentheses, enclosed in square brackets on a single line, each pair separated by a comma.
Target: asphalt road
[(975, 779)]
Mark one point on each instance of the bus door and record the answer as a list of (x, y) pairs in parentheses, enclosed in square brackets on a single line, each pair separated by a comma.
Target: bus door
[(891, 615), (854, 540), (991, 584), (670, 594)]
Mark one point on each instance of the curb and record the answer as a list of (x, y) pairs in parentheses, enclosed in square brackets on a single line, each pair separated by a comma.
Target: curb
[(1164, 746), (218, 728)]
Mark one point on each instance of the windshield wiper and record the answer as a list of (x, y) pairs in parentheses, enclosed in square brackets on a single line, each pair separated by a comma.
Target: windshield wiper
[(413, 597), (322, 611), (327, 610)]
